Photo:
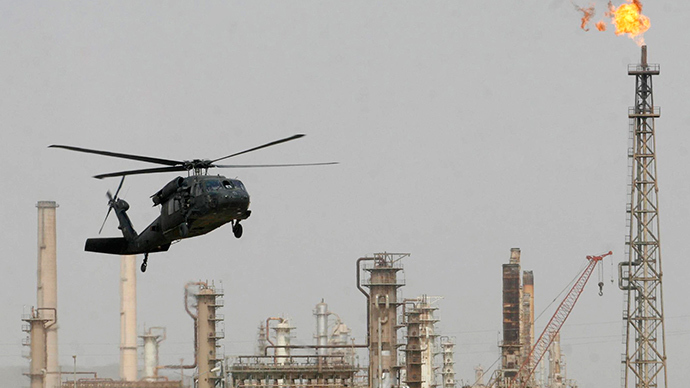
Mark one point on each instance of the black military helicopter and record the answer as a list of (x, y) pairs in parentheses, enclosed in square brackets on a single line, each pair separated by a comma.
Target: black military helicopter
[(190, 206)]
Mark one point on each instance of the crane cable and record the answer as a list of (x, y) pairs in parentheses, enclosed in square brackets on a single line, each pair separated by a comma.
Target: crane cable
[(562, 291)]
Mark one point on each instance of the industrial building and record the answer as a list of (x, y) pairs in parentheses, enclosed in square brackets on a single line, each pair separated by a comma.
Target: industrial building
[(403, 347)]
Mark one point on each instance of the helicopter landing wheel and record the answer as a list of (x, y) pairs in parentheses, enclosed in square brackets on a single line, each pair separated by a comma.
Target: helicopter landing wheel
[(237, 230), (144, 264)]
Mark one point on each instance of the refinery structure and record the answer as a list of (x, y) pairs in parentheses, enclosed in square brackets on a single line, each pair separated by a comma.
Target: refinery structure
[(403, 346)]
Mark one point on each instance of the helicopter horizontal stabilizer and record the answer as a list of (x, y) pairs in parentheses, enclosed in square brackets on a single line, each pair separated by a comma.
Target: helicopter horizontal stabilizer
[(117, 246)]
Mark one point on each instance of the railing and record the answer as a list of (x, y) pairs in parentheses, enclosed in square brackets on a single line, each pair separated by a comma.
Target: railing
[(639, 68), (654, 112)]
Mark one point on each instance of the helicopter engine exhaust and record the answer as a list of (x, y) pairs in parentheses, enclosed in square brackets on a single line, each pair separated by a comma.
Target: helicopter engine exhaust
[(171, 188)]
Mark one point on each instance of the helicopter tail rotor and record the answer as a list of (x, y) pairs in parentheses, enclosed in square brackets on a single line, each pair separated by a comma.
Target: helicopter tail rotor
[(112, 200)]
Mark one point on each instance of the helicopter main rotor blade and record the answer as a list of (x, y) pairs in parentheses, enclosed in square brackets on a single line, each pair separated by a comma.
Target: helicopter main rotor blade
[(260, 147), (271, 165), (142, 171), (149, 159)]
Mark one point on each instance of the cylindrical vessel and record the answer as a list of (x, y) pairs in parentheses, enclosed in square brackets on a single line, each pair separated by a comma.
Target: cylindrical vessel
[(321, 313), (282, 340), (150, 357)]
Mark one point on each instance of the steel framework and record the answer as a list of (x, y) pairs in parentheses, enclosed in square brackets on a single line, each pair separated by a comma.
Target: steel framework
[(644, 361), (556, 322)]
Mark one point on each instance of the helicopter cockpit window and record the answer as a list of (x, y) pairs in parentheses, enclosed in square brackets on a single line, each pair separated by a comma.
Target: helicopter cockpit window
[(238, 184), (213, 186), (228, 185)]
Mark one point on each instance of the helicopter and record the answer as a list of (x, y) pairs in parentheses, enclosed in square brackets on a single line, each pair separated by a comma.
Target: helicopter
[(189, 206)]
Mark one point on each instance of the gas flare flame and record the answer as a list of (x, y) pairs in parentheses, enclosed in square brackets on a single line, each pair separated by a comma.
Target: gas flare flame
[(627, 18), (587, 14)]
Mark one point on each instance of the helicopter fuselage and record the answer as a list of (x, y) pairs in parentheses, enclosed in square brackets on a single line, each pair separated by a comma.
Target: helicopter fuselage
[(189, 207)]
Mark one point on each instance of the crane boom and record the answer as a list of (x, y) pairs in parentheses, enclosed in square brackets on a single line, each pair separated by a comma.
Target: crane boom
[(556, 322)]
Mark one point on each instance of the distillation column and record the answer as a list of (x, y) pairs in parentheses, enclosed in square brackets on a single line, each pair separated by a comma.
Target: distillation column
[(128, 318), (527, 327), (511, 347), (283, 331), (641, 275), (413, 349), (321, 313), (448, 371), (428, 338), (208, 301), (383, 285), (555, 379), (38, 328), (47, 283)]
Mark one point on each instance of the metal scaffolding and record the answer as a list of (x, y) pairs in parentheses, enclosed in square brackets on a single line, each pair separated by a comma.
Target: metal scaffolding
[(644, 361)]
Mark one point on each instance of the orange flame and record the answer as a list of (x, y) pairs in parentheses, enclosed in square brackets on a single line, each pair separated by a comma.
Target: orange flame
[(587, 14), (628, 19)]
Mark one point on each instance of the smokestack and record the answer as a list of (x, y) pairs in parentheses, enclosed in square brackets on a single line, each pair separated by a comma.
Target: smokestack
[(514, 255), (128, 318), (47, 283), (511, 348), (644, 55)]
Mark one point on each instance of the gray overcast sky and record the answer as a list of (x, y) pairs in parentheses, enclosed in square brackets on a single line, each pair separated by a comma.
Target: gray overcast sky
[(463, 129)]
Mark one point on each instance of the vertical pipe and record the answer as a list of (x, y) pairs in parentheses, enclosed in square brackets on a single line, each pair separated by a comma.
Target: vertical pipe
[(47, 282), (128, 318)]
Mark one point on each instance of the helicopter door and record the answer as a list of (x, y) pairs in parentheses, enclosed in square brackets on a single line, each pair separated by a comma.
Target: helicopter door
[(173, 216)]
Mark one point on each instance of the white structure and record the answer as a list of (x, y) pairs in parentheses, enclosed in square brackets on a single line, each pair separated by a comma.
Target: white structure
[(321, 313), (448, 369), (128, 318), (47, 284), (282, 329), (152, 339), (426, 307)]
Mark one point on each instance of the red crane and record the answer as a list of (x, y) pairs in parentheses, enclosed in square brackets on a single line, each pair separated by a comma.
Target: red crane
[(554, 326)]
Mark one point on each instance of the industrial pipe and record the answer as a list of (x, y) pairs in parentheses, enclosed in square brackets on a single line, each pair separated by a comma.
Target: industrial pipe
[(359, 287), (268, 333), (311, 347), (196, 323), (54, 315)]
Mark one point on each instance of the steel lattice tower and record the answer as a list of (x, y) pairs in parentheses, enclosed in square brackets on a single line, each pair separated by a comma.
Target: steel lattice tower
[(641, 275)]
